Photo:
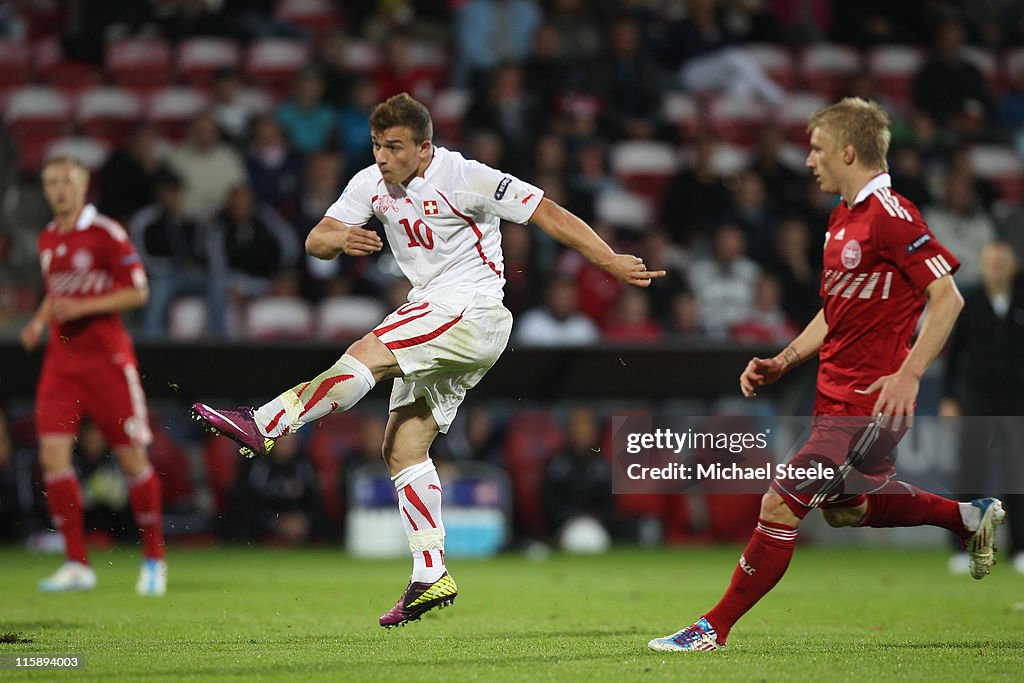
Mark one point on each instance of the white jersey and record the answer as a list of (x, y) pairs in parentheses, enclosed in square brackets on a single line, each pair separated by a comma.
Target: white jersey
[(443, 228)]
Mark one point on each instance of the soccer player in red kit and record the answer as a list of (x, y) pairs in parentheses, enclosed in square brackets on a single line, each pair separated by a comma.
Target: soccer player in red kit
[(881, 266), (91, 272)]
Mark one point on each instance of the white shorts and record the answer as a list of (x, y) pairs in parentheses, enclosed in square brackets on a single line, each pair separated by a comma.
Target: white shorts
[(444, 349)]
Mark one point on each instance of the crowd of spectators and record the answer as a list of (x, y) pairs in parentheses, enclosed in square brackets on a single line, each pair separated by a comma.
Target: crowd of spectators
[(550, 91)]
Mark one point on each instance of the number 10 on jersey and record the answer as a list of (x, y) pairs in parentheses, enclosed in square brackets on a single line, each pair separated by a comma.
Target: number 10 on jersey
[(420, 234)]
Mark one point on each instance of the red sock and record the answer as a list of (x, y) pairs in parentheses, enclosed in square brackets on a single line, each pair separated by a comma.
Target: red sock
[(144, 493), (900, 504), (761, 566), (64, 498)]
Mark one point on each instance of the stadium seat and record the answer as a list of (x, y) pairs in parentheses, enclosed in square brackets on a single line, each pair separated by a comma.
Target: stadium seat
[(447, 110), (791, 116), (360, 56), (533, 438), (623, 209), (221, 458), (140, 63), (35, 115), (319, 17), (272, 63), (334, 437), (777, 62), (279, 317), (51, 67), (729, 159), (348, 317), (199, 59), (1000, 166), (186, 319), (828, 68), (644, 166), (682, 111), (987, 64), (893, 67), (172, 109), (90, 151), (15, 65), (736, 119), (108, 112)]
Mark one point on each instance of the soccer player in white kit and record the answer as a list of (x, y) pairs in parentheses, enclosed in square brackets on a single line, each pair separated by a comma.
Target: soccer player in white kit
[(441, 214)]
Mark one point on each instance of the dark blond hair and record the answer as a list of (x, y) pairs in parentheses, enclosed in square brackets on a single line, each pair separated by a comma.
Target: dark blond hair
[(402, 110), (856, 122), (60, 159)]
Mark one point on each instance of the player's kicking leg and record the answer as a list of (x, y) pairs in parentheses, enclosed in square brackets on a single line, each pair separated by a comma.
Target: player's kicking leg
[(338, 388), (410, 431)]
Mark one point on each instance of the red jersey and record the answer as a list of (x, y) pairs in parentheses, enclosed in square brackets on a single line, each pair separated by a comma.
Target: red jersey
[(94, 258), (879, 259)]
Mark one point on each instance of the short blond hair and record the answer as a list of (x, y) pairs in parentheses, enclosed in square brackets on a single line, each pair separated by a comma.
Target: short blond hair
[(860, 123), (60, 159)]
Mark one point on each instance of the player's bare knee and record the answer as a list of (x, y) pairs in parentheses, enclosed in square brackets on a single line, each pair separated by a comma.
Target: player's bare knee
[(377, 357), (133, 460), (775, 509), (55, 456), (840, 517)]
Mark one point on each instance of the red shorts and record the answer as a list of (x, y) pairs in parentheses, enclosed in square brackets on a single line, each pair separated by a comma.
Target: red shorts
[(846, 440), (110, 394)]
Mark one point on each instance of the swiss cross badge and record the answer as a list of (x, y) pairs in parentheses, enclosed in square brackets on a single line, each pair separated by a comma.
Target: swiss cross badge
[(430, 208)]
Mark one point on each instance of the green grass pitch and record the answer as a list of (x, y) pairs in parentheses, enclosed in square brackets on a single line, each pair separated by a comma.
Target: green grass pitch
[(258, 614)]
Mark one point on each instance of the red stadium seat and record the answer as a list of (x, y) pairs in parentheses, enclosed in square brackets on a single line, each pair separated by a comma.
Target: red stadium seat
[(199, 59), (737, 119), (829, 69), (644, 166), (108, 112), (90, 151), (360, 56), (792, 115), (172, 110), (35, 115), (776, 61), (1001, 166), (893, 67), (987, 64), (139, 62), (447, 110), (682, 111), (273, 62), (319, 17), (279, 317), (15, 64), (533, 438), (348, 317)]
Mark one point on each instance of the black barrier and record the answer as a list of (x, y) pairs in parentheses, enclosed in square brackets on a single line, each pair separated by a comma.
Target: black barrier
[(249, 369)]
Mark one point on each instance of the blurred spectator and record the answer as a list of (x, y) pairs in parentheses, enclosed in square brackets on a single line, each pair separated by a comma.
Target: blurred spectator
[(275, 170), (658, 253), (549, 156), (724, 284), (695, 197), (306, 118), (962, 226), (982, 190), (628, 80), (948, 87), (596, 290), (558, 322), (485, 146), (767, 324), (589, 178), (230, 110), (702, 50), (367, 452), (18, 498), (490, 32), (522, 272), (208, 168), (579, 34), (254, 243), (324, 173), (750, 212), (630, 321), (1011, 228), (546, 72), (578, 481), (354, 123), (783, 186), (508, 110), (908, 174), (174, 248), (398, 72), (333, 67), (128, 178), (798, 276), (683, 321), (277, 498), (1011, 103)]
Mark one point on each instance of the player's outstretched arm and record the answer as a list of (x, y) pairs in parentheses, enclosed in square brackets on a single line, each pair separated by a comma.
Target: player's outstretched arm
[(762, 371), (571, 231), (33, 330), (331, 238), (63, 309), (897, 393)]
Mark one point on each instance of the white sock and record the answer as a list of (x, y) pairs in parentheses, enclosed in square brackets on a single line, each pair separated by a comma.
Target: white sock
[(419, 504), (970, 516), (338, 388)]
